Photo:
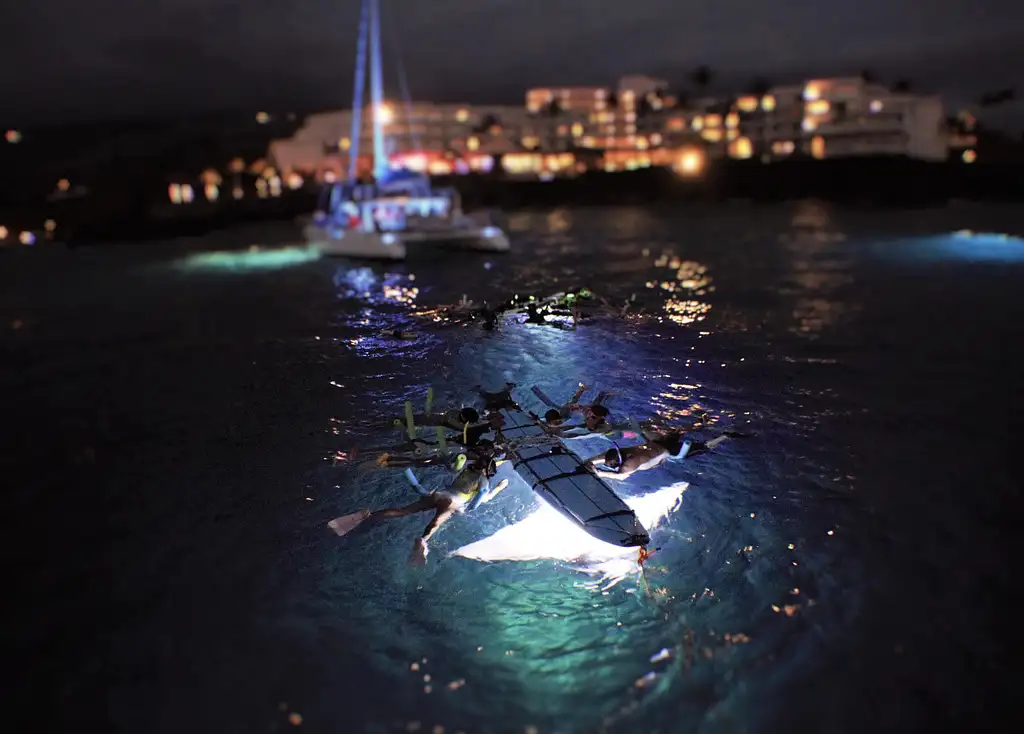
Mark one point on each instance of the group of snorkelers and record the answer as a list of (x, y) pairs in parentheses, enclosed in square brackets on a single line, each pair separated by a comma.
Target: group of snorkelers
[(561, 310), (477, 458)]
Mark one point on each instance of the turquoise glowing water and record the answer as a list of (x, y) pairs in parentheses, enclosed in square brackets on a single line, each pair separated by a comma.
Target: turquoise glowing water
[(179, 414)]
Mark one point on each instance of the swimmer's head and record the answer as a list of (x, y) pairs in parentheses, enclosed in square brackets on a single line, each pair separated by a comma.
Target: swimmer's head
[(597, 418), (553, 417), (613, 459), (469, 415)]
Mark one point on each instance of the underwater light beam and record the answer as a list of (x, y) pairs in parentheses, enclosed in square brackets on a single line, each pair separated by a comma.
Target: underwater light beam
[(545, 534)]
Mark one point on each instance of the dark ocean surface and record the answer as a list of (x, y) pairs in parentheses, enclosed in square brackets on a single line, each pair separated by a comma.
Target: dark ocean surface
[(183, 419)]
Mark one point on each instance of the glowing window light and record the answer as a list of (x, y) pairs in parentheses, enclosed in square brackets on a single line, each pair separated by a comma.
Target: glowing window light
[(262, 118), (875, 106), (712, 120), (385, 115), (12, 137), (818, 147), (577, 129), (747, 104), (768, 103), (461, 114), (714, 135), (473, 143), (698, 123), (63, 185), (656, 139), (809, 124), (783, 147), (174, 193), (818, 107), (211, 191), (49, 225), (27, 238), (237, 193), (294, 181), (4, 232), (812, 92), (969, 156), (741, 148), (732, 119)]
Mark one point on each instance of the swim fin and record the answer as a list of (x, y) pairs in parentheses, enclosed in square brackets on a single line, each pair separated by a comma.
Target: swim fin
[(347, 523)]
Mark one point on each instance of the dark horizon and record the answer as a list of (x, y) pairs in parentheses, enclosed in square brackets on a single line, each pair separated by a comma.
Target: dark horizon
[(219, 59)]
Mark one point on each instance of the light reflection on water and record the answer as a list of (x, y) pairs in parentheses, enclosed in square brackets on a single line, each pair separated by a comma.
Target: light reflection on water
[(799, 578)]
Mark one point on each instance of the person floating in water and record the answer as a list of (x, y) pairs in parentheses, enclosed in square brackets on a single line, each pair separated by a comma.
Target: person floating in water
[(619, 463), (596, 422), (556, 415), (501, 400), (456, 419), (470, 488)]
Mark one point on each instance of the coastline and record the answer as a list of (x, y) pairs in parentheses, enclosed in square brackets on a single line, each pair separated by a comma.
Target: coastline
[(143, 213)]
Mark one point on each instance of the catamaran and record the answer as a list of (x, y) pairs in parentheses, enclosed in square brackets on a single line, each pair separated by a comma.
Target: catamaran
[(379, 219)]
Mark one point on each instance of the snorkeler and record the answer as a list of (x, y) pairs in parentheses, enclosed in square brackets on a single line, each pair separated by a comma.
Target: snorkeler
[(619, 463), (498, 400), (558, 414), (470, 488), (455, 419), (397, 334), (595, 422)]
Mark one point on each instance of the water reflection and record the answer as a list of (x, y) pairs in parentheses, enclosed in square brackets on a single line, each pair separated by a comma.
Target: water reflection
[(689, 279), (253, 259), (820, 270)]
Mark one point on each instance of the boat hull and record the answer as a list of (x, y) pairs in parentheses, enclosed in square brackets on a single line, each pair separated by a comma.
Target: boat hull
[(355, 244)]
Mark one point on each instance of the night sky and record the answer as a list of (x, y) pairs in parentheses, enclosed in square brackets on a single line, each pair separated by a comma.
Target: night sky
[(111, 58)]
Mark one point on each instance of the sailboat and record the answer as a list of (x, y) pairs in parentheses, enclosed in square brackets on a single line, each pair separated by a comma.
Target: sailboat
[(398, 208)]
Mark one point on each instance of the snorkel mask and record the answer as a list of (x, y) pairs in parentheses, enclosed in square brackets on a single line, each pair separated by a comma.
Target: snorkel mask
[(604, 467)]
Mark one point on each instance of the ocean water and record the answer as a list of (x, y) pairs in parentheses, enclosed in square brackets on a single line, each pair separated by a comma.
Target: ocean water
[(184, 418)]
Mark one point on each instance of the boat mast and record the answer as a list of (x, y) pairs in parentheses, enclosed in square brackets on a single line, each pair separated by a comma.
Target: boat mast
[(380, 163), (358, 93)]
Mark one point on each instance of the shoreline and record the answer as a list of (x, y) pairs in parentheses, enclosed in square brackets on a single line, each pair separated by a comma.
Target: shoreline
[(139, 214)]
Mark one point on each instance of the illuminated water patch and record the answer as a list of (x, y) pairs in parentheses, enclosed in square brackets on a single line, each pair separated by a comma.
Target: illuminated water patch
[(964, 245), (545, 534), (253, 259)]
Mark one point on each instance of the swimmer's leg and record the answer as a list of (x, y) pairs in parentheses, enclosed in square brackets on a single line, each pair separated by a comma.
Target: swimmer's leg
[(419, 548)]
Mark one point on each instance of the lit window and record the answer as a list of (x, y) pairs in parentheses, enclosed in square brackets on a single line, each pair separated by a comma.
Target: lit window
[(577, 129), (12, 136), (63, 185), (174, 193), (49, 225), (698, 122), (385, 115), (344, 144), (970, 156), (712, 135), (818, 147), (656, 139), (818, 107), (812, 92), (768, 103), (262, 118), (473, 143), (732, 120), (712, 120), (529, 141), (4, 232), (783, 147), (876, 105), (746, 104), (461, 115), (809, 124), (741, 148), (676, 124)]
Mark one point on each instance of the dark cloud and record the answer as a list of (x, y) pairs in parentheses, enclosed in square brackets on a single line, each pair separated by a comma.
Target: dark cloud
[(112, 57)]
